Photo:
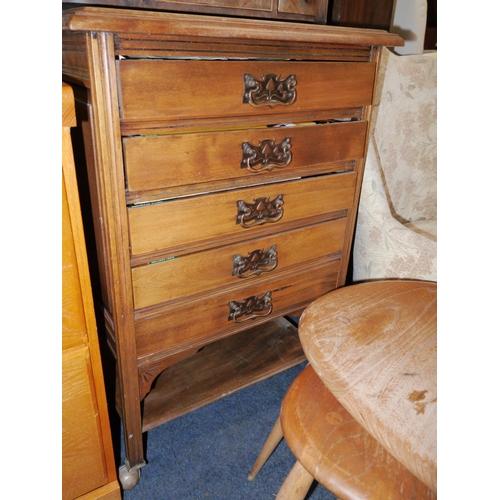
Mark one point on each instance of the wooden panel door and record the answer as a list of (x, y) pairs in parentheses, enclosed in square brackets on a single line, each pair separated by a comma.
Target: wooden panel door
[(88, 466), (84, 466), (314, 11)]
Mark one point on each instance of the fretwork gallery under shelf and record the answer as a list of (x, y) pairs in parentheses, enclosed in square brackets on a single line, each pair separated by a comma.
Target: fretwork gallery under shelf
[(222, 368)]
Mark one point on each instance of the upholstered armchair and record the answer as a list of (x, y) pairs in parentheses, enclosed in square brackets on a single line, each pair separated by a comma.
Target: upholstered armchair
[(396, 232)]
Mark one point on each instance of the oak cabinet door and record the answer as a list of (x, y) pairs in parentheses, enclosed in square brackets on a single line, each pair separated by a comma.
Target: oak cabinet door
[(84, 467)]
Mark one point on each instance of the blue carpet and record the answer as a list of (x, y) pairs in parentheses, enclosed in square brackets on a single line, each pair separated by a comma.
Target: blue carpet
[(208, 453)]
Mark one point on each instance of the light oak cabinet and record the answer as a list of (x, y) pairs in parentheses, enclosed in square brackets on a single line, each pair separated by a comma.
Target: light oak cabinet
[(88, 468), (224, 160)]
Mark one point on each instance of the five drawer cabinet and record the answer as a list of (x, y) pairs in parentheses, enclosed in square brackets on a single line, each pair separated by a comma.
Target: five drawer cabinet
[(224, 160)]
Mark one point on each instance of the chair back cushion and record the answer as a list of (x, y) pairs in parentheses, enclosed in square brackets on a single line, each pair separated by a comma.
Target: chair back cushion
[(405, 133)]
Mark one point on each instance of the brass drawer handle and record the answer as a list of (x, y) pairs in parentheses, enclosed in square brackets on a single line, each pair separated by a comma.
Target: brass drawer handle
[(268, 154), (257, 262), (253, 307), (261, 211), (270, 90)]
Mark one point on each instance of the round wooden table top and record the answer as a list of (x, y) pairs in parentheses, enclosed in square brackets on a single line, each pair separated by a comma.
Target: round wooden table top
[(374, 345)]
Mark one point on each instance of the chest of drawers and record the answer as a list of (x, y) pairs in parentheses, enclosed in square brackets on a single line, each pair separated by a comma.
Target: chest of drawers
[(224, 161)]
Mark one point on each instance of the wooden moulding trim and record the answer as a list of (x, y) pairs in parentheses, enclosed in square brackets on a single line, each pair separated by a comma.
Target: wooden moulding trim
[(143, 315), (130, 21), (168, 45), (113, 212), (360, 167), (110, 332), (162, 355), (180, 125), (186, 301), (137, 197), (74, 58), (180, 38), (177, 251)]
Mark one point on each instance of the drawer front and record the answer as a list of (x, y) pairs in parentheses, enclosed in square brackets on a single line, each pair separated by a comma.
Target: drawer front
[(235, 265), (167, 90), (199, 322), (183, 159), (185, 224)]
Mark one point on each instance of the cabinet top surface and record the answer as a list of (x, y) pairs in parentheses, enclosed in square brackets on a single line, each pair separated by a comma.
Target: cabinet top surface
[(152, 23)]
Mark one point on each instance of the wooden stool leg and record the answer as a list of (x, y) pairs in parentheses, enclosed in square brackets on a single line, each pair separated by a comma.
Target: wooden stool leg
[(296, 485), (272, 441)]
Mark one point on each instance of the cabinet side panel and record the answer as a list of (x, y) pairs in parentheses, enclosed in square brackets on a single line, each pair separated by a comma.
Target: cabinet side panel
[(84, 466), (73, 315)]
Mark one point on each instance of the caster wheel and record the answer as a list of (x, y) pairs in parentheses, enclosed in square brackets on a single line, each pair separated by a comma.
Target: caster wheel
[(128, 479)]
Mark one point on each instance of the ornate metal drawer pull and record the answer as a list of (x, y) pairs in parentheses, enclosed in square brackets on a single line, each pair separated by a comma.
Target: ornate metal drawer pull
[(253, 307), (261, 211), (270, 90), (268, 154), (257, 262)]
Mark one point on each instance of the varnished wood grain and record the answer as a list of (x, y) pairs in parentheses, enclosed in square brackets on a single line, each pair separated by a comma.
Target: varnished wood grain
[(374, 346), (196, 322), (213, 158), (337, 451), (73, 313), (229, 4), (360, 167), (300, 10), (207, 89), (87, 453), (74, 57), (109, 211), (187, 223), (96, 43), (168, 45), (68, 110), (84, 467), (200, 272), (110, 491), (223, 368), (363, 13), (300, 7), (152, 23)]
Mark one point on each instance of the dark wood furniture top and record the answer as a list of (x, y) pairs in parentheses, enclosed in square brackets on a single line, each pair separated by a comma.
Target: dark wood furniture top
[(291, 10), (362, 13)]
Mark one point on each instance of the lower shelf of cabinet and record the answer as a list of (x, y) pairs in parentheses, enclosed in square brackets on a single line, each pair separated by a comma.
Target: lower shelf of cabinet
[(222, 368)]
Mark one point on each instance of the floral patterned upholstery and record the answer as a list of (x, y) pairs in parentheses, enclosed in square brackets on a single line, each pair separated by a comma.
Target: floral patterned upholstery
[(396, 231)]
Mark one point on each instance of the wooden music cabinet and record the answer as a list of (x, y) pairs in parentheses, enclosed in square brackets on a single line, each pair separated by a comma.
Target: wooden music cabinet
[(225, 160)]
